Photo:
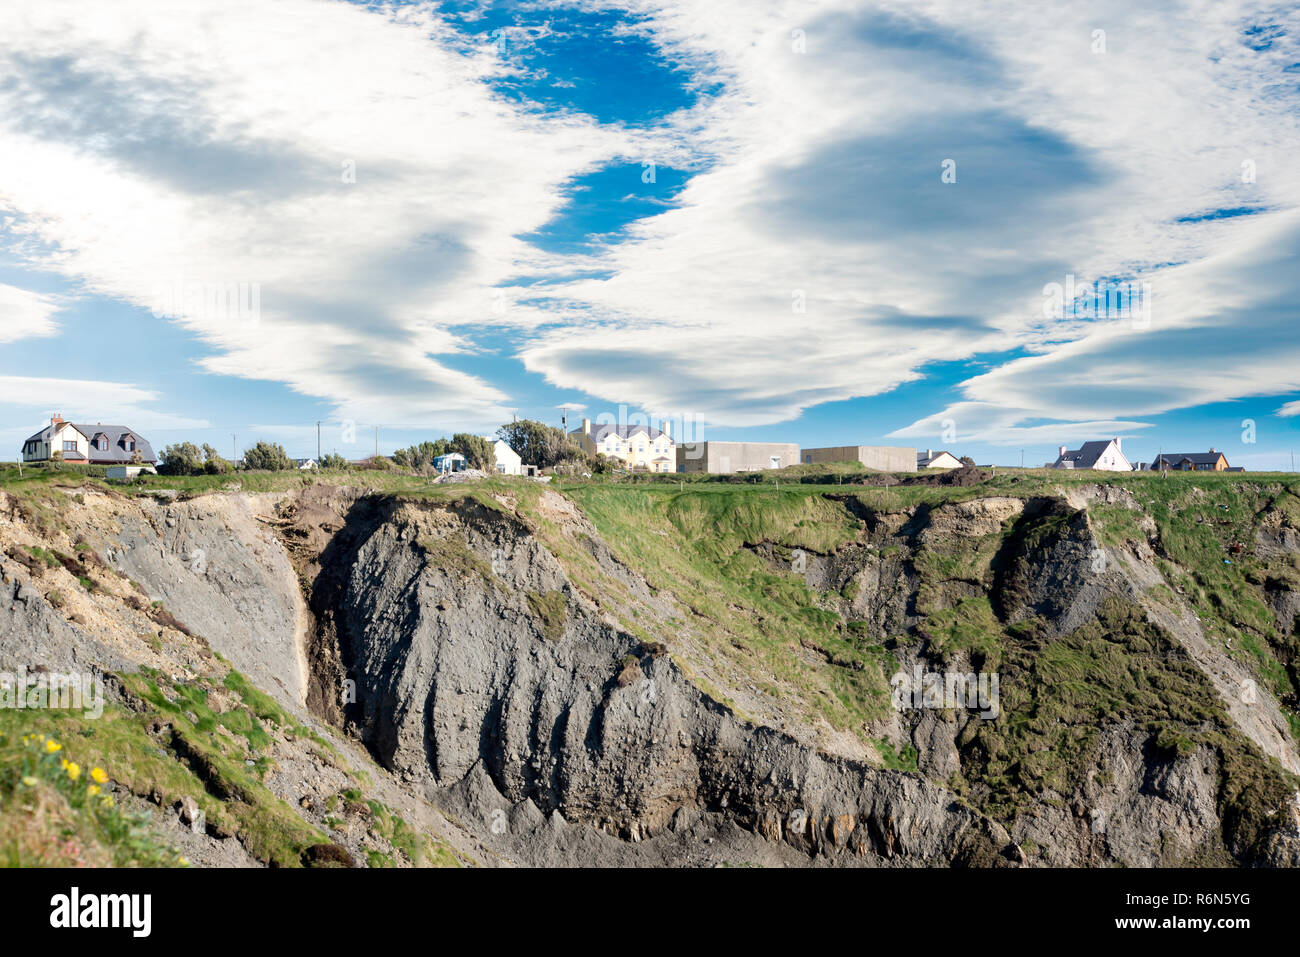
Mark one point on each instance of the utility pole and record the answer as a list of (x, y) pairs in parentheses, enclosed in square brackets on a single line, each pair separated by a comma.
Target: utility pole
[(318, 441), (234, 449)]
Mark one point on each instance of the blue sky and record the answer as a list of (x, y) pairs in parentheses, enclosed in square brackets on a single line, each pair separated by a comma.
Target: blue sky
[(822, 222)]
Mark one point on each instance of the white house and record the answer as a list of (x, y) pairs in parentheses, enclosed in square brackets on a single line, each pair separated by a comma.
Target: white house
[(508, 460), (638, 445), (937, 460), (1100, 455)]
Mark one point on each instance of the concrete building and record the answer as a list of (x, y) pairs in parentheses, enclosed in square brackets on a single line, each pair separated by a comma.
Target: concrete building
[(637, 446), (127, 473), (881, 458), (727, 457)]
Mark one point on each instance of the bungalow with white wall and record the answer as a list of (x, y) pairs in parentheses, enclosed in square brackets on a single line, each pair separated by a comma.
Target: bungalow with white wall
[(937, 460), (96, 444)]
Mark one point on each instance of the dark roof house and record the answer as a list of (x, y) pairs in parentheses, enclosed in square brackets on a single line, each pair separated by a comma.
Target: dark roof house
[(1105, 455), (116, 445), (1211, 461), (96, 444)]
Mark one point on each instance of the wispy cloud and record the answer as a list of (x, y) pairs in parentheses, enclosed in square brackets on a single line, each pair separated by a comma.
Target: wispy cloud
[(25, 314), (822, 255), (351, 164), (89, 400)]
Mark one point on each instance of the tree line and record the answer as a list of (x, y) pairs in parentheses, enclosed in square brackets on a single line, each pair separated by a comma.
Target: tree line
[(537, 444)]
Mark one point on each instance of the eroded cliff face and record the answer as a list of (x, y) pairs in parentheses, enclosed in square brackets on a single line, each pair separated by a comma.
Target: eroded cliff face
[(505, 664), (1123, 725), (482, 672)]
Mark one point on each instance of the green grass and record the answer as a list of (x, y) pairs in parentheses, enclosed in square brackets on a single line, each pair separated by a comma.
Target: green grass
[(1057, 696), (698, 544), (208, 745), (896, 759), (451, 554), (45, 555), (53, 810), (552, 608), (968, 626)]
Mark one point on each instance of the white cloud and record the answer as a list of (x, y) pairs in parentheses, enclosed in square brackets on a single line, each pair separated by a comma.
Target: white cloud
[(25, 314), (30, 400), (150, 143), (1222, 328), (826, 180)]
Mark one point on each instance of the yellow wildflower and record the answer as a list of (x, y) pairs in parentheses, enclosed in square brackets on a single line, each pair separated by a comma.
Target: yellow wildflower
[(51, 746), (30, 781), (73, 769), (93, 790), (99, 775), (107, 800)]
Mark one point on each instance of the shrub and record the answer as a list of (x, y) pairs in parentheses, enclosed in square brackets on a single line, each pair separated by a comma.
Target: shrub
[(267, 457), (538, 443), (478, 451), (183, 458)]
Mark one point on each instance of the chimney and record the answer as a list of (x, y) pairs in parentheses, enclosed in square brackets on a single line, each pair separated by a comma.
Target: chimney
[(586, 426), (1116, 440), (929, 453), (1211, 449), (56, 419), (1062, 452)]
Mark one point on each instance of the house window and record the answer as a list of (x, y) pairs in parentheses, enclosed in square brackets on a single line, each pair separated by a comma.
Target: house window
[(69, 446), (129, 444)]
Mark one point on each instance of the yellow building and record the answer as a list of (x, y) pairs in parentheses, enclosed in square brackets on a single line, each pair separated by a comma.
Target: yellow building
[(636, 446)]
